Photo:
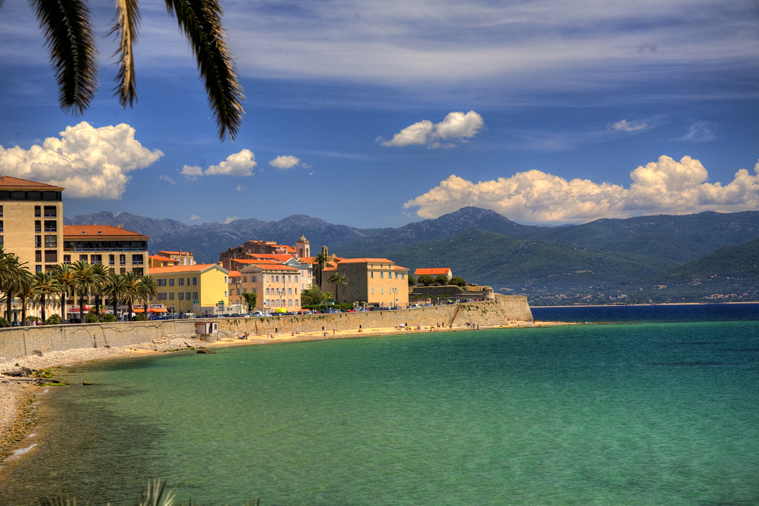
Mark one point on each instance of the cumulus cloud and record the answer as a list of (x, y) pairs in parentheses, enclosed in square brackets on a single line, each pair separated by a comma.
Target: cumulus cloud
[(287, 162), (230, 219), (191, 171), (87, 161), (628, 126), (456, 126), (194, 217), (237, 164), (665, 186)]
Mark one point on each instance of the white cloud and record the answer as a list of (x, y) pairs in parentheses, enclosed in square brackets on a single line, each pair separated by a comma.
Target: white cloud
[(455, 126), (665, 186), (700, 131), (87, 161), (237, 164), (191, 172), (287, 162), (194, 217), (240, 188), (167, 179), (628, 126), (230, 219)]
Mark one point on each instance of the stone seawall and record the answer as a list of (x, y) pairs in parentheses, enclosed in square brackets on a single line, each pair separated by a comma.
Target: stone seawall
[(22, 341)]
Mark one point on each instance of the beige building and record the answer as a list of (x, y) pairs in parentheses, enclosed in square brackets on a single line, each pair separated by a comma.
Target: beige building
[(31, 222), (181, 257), (277, 286), (155, 261), (373, 281), (197, 288), (120, 250)]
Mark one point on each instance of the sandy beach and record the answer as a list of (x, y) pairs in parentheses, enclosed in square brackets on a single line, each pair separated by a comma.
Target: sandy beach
[(17, 413)]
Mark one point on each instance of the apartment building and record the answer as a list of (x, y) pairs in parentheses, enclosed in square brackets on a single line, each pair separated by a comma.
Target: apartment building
[(31, 222), (155, 261), (197, 288), (118, 249), (181, 257), (277, 286), (250, 248), (373, 281)]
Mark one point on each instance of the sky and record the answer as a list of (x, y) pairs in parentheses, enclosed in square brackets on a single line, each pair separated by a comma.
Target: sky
[(377, 114)]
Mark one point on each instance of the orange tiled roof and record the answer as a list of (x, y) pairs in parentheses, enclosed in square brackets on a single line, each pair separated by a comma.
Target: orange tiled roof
[(281, 258), (431, 272), (71, 231), (275, 267), (365, 260), (234, 274), (399, 268), (185, 268), (10, 183), (159, 258), (254, 261), (183, 253)]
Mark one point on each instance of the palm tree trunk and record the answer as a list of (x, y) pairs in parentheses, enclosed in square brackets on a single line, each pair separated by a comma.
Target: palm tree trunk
[(129, 306), (64, 294), (8, 300), (42, 300), (81, 307), (23, 311), (115, 303)]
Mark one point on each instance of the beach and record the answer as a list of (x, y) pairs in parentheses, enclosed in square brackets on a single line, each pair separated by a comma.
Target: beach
[(17, 399)]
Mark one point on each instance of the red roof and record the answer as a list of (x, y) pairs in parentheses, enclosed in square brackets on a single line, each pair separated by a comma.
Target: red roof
[(234, 274), (159, 258), (72, 231), (432, 272), (282, 258), (274, 266), (184, 268), (365, 261), (10, 183)]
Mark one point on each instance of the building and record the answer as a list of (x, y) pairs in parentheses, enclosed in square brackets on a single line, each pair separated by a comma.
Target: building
[(302, 247), (371, 281), (31, 222), (118, 249), (250, 248), (181, 257), (445, 271), (155, 261), (277, 286), (197, 288)]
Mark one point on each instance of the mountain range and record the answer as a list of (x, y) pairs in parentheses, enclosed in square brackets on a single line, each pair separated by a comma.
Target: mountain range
[(651, 258)]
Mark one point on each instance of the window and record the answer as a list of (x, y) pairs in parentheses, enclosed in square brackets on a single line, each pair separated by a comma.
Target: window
[(396, 275), (371, 274), (122, 270), (37, 241), (225, 279), (1, 226), (195, 295), (122, 259), (37, 211), (225, 293), (18, 195), (136, 259), (276, 279), (171, 282), (181, 281), (372, 290), (1, 210), (171, 295), (382, 275), (194, 282), (289, 278), (137, 271), (39, 268), (96, 259), (245, 279), (267, 291), (50, 212), (188, 281), (181, 295), (296, 290), (67, 259), (187, 295), (111, 270), (51, 226), (111, 259), (38, 226), (296, 279), (38, 256), (382, 290), (403, 276), (252, 279)]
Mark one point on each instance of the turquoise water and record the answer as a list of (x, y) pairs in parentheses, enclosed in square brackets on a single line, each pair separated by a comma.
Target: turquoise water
[(580, 415)]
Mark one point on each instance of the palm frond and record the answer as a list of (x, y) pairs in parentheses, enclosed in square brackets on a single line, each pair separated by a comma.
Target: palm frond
[(68, 32), (201, 22), (126, 23)]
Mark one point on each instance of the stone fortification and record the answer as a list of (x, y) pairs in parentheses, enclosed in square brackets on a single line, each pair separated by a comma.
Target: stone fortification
[(23, 341)]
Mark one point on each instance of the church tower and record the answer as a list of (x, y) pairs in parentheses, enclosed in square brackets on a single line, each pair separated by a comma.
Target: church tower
[(303, 247)]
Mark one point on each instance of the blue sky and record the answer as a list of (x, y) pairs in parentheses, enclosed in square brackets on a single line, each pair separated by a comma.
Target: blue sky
[(548, 111)]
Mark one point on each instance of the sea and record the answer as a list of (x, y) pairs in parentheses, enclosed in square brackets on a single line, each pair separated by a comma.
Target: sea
[(644, 405)]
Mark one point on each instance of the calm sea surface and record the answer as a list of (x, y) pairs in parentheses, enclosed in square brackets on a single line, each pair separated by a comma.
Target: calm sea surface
[(660, 412)]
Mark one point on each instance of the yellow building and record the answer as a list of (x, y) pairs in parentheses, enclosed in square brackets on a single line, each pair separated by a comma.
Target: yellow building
[(155, 261), (31, 222), (374, 281), (118, 249), (198, 288), (276, 285)]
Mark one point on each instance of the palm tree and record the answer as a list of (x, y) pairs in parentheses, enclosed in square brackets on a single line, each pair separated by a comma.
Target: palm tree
[(130, 290), (64, 277), (321, 260), (113, 288), (101, 274), (84, 281), (12, 273), (338, 279), (46, 289), (69, 34), (25, 292), (147, 287)]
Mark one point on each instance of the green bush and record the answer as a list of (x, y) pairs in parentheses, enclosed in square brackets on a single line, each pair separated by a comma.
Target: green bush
[(425, 279), (90, 318), (4, 322), (53, 320), (457, 280), (108, 317), (139, 318)]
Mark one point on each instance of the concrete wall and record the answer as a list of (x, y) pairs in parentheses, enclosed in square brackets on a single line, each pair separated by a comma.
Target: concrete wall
[(22, 341)]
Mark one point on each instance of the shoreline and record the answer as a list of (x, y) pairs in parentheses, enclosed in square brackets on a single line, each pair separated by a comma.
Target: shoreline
[(18, 401)]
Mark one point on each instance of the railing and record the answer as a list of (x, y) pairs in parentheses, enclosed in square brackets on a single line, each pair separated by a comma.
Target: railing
[(102, 249)]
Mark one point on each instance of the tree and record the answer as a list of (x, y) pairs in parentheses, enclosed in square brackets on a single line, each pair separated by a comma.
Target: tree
[(338, 278), (46, 289), (130, 290), (441, 279), (69, 35), (101, 274), (12, 272), (411, 280), (113, 288), (25, 291), (425, 279), (312, 296), (457, 280), (321, 261), (64, 277), (84, 280), (147, 288), (250, 300)]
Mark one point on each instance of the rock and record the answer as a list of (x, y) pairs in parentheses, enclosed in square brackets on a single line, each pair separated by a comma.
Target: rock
[(26, 372), (37, 353), (203, 350), (106, 346)]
